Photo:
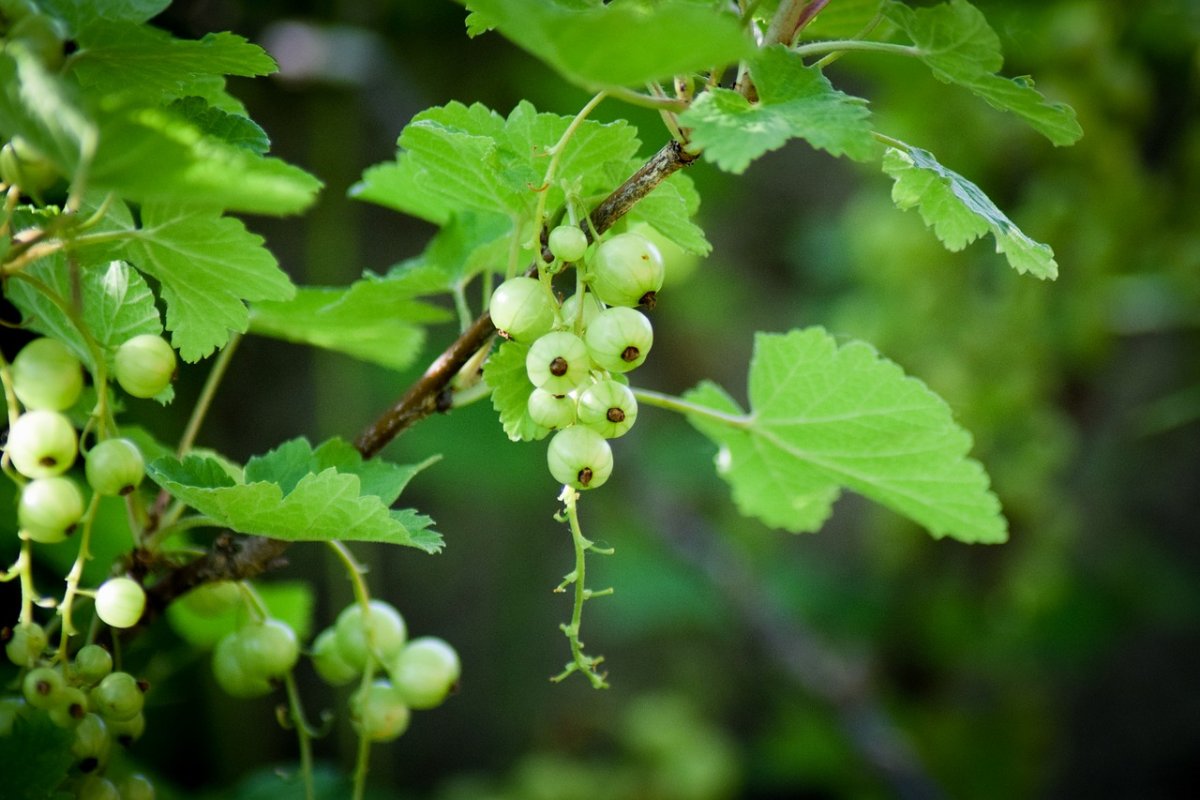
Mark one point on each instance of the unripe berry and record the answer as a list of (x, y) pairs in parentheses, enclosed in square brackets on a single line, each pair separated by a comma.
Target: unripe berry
[(128, 731), (231, 674), (269, 648), (95, 787), (120, 602), (522, 309), (570, 310), (557, 362), (43, 687), (42, 444), (551, 410), (214, 598), (49, 509), (619, 339), (137, 787), (381, 628), (627, 270), (425, 672), (568, 243), (71, 709), (93, 663), (27, 644), (609, 408), (114, 467), (47, 375), (579, 457), (118, 697), (328, 662), (92, 743), (145, 365), (379, 713)]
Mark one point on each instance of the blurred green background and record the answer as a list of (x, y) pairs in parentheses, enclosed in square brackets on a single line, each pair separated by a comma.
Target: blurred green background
[(867, 660)]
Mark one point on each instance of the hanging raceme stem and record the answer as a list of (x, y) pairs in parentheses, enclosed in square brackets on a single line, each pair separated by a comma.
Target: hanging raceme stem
[(81, 558), (688, 408), (204, 401), (304, 734), (580, 662)]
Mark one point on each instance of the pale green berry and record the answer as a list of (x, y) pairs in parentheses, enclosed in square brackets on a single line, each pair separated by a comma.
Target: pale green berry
[(49, 509), (95, 787), (71, 709), (92, 742), (426, 670), (551, 410), (382, 629), (231, 674), (571, 314), (27, 644), (144, 365), (120, 602), (269, 648), (522, 309), (608, 407), (213, 599), (128, 731), (568, 243), (47, 375), (93, 663), (579, 457), (42, 444), (114, 467), (558, 362), (619, 339), (328, 662), (136, 787), (379, 713), (627, 270), (118, 697), (43, 687)]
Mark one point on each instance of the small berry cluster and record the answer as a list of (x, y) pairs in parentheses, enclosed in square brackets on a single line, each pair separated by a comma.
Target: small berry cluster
[(86, 696), (579, 347), (420, 673)]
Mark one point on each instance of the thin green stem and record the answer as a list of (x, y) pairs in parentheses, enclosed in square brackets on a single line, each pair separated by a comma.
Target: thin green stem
[(636, 98), (355, 571), (860, 45), (303, 735), (72, 579), (24, 566), (580, 662), (465, 316), (681, 406), (204, 401)]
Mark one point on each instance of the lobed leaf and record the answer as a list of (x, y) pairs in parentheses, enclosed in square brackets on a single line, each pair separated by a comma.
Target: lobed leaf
[(794, 101), (955, 41), (619, 44), (505, 373), (823, 417), (958, 210), (296, 493)]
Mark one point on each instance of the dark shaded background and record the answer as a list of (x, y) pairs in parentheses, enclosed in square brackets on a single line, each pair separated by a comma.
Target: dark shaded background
[(747, 662)]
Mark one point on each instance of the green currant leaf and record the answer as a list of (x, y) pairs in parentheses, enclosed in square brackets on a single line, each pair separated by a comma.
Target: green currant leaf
[(78, 15), (299, 494), (958, 210), (824, 417), (375, 319), (669, 209), (402, 185), (35, 757), (505, 373), (794, 101), (842, 20), (234, 129), (208, 266), (955, 41), (290, 601), (121, 58), (620, 44)]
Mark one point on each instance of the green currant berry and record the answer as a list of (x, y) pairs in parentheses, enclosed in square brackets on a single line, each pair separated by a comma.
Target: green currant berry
[(49, 509), (568, 243), (231, 675), (114, 467), (608, 407), (93, 663), (92, 743), (120, 602), (42, 444), (215, 598), (118, 697), (570, 311), (43, 687), (551, 411), (47, 375), (425, 672), (145, 365), (381, 628), (96, 787), (269, 648), (27, 644), (557, 362), (522, 309), (136, 787), (21, 165), (579, 457), (71, 709), (627, 270), (128, 731), (379, 713), (619, 339), (11, 707), (328, 662)]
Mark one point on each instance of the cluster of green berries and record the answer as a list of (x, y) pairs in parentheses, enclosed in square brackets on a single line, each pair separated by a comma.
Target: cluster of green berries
[(43, 445), (87, 696), (578, 348), (415, 673)]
